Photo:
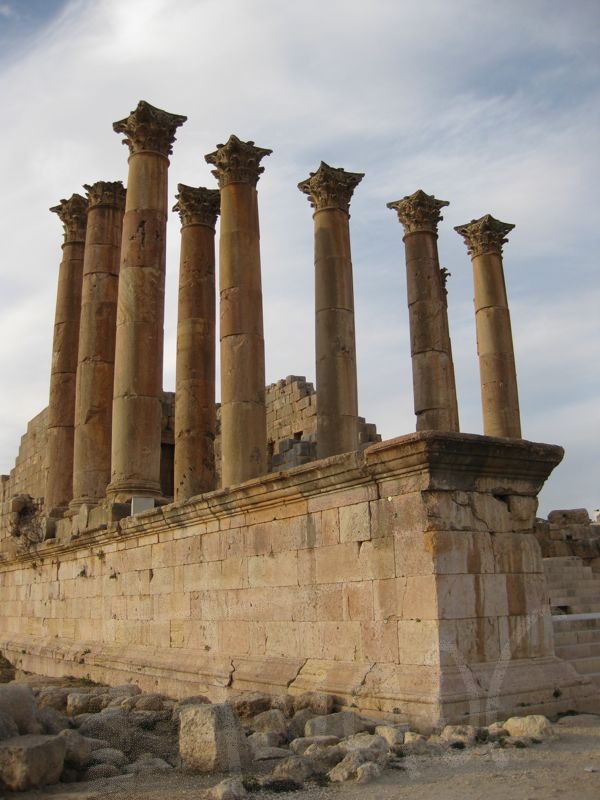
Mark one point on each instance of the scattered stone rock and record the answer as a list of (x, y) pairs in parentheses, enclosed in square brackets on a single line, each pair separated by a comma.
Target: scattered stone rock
[(341, 724), (393, 734), (410, 737), (533, 725), (78, 749), (31, 761), (211, 739), (100, 771), (298, 723), (86, 703), (112, 727), (459, 733), (367, 772), (251, 704), (266, 739), (150, 702), (194, 700), (18, 702), (346, 769), (325, 756), (8, 727), (125, 689), (53, 697), (271, 721), (147, 763), (319, 703), (298, 746), (269, 753), (109, 755), (69, 775), (52, 721), (294, 768), (285, 703), (496, 731), (229, 789), (374, 746), (280, 785)]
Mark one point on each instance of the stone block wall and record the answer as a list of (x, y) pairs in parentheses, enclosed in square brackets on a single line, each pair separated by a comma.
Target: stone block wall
[(402, 579), (570, 532)]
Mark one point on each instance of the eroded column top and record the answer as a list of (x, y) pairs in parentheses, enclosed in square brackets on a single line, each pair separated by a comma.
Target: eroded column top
[(197, 205), (419, 212), (149, 128), (237, 162), (330, 187), (105, 193), (73, 215), (484, 235)]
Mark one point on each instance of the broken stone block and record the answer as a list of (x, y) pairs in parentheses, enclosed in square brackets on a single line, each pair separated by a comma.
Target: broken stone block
[(19, 703), (251, 704), (342, 724), (299, 745), (459, 733), (294, 768), (318, 702), (271, 721), (229, 789), (211, 739), (533, 725), (8, 727), (31, 761), (78, 749), (393, 734)]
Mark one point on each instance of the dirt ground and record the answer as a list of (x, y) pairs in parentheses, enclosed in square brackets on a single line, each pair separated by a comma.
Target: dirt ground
[(567, 766)]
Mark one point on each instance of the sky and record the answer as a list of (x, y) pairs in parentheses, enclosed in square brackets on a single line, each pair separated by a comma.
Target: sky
[(493, 106)]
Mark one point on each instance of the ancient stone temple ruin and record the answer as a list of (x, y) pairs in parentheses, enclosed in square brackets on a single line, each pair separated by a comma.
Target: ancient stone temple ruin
[(272, 542)]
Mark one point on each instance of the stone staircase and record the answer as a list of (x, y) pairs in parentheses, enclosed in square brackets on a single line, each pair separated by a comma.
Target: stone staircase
[(574, 592)]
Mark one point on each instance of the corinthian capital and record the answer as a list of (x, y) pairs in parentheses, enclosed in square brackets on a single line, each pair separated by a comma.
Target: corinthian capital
[(198, 206), (419, 211), (485, 235), (105, 193), (149, 128), (73, 215), (330, 187), (237, 162)]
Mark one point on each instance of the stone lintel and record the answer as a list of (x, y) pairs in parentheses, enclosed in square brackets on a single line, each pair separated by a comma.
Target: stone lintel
[(149, 128), (197, 205), (237, 162), (484, 235), (419, 212), (73, 215), (330, 187), (105, 193)]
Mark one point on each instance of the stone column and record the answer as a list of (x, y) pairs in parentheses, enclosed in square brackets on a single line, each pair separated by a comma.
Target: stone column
[(136, 421), (243, 412), (329, 191), (434, 386), (61, 406), (499, 395), (195, 409), (95, 368)]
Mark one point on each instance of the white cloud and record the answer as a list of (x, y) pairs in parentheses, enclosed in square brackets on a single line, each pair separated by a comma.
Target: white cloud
[(453, 98)]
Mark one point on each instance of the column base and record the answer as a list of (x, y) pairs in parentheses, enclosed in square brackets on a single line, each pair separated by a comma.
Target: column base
[(122, 491)]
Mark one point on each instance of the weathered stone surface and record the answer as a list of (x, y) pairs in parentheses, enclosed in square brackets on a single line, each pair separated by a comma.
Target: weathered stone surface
[(298, 746), (324, 757), (269, 753), (53, 697), (100, 771), (18, 702), (346, 770), (375, 746), (211, 739), (86, 703), (532, 725), (266, 739), (78, 749), (8, 727), (150, 702), (294, 768), (368, 772), (318, 702), (393, 734), (459, 733), (52, 721), (146, 764), (109, 755), (298, 722), (229, 789), (251, 704), (114, 727), (28, 762), (341, 724), (496, 731), (271, 721)]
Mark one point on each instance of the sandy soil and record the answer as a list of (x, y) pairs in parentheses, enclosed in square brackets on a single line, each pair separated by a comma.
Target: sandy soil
[(567, 767)]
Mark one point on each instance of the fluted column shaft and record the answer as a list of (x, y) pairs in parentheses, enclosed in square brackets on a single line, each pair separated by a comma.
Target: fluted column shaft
[(243, 410), (137, 411), (95, 369), (195, 409), (434, 386), (61, 407), (498, 374), (329, 191)]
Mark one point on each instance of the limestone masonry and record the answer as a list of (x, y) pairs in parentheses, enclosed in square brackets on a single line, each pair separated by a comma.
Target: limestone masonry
[(274, 542)]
